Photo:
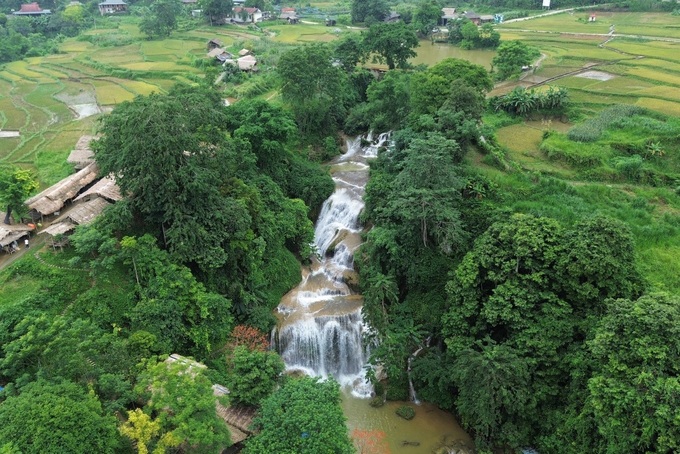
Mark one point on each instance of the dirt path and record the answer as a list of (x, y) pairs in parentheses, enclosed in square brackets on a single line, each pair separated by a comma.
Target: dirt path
[(551, 13)]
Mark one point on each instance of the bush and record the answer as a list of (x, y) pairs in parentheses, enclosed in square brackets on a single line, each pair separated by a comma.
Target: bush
[(406, 412), (592, 129)]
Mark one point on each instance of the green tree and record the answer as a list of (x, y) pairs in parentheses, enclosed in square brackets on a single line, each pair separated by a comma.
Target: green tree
[(253, 374), (162, 20), (15, 186), (511, 57), (470, 34), (369, 10), (426, 191), (216, 10), (173, 306), (431, 88), (173, 162), (56, 418), (391, 44), (635, 391), (302, 417), (53, 347), (313, 87), (180, 398), (349, 51), (426, 16), (494, 393)]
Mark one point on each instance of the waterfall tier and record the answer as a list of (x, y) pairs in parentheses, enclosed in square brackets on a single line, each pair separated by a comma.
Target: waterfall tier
[(321, 330)]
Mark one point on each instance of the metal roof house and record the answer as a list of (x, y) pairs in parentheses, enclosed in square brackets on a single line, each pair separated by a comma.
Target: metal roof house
[(31, 9), (112, 7)]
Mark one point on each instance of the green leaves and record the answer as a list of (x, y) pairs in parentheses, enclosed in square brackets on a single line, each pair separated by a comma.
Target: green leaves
[(391, 43), (635, 390), (302, 417), (253, 374), (56, 417), (16, 185), (181, 399)]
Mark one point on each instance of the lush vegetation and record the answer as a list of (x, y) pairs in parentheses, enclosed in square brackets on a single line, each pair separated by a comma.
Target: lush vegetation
[(528, 277)]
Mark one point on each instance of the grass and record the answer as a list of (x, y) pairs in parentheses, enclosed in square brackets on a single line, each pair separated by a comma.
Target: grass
[(17, 288)]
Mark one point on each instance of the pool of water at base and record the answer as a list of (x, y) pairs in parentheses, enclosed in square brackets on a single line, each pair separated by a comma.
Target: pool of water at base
[(428, 431)]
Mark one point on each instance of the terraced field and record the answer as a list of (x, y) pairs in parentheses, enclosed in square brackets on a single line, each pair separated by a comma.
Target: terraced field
[(53, 100), (644, 71)]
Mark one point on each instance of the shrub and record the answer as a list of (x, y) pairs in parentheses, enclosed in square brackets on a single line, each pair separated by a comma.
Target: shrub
[(592, 129), (630, 166), (406, 412)]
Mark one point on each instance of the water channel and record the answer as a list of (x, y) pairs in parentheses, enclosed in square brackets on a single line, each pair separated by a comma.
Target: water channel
[(320, 329)]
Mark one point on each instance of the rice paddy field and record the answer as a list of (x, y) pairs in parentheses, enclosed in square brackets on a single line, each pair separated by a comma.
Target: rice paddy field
[(641, 68), (43, 97)]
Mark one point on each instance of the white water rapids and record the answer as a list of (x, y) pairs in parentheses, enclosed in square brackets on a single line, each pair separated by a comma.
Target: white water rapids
[(321, 330)]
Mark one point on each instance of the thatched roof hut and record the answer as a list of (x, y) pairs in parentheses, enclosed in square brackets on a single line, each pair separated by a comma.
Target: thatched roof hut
[(82, 154), (59, 228), (11, 233), (85, 212), (238, 418), (53, 198), (105, 188)]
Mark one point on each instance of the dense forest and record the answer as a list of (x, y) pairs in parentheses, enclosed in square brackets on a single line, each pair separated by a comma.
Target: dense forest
[(522, 310)]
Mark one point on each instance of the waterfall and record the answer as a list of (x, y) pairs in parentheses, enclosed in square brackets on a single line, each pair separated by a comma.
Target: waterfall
[(321, 329)]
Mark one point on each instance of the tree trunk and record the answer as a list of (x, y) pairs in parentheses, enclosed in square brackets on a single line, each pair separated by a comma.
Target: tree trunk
[(8, 215)]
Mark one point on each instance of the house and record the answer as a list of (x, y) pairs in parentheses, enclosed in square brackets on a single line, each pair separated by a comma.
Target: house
[(448, 14), (244, 52), (106, 188), (290, 15), (486, 19), (241, 15), (214, 43), (82, 155), (245, 63), (473, 17), (392, 17), (31, 9), (52, 200), (330, 22), (112, 7), (189, 2), (220, 55), (11, 236)]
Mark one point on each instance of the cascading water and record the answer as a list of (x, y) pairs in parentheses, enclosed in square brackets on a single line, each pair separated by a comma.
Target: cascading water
[(320, 331)]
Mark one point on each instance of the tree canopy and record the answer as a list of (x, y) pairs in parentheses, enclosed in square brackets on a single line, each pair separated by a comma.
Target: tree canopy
[(15, 186), (391, 44), (56, 417), (303, 416)]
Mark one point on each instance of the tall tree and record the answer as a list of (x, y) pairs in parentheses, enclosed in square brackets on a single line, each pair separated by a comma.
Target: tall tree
[(216, 10), (635, 392), (369, 10), (314, 87), (15, 186), (426, 16), (162, 20), (253, 374), (511, 57), (391, 44), (303, 416), (431, 88)]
